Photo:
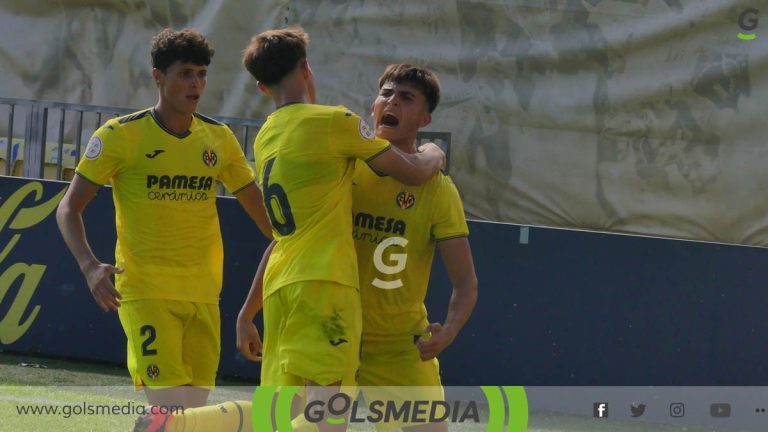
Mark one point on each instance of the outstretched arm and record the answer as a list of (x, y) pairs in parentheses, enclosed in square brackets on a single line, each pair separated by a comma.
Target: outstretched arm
[(410, 168), (457, 258)]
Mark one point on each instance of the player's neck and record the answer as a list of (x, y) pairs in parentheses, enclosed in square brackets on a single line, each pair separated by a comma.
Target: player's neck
[(292, 89), (406, 145), (290, 96), (173, 120)]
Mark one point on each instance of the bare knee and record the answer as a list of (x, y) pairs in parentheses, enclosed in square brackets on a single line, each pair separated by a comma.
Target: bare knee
[(336, 408)]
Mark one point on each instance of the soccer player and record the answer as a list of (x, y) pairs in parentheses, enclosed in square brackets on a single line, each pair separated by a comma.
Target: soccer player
[(163, 164), (305, 158), (396, 228)]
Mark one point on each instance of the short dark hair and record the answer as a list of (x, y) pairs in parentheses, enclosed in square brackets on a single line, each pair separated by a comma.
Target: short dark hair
[(273, 54), (187, 46), (421, 77)]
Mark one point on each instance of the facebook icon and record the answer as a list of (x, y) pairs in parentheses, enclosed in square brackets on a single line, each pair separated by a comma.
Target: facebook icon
[(600, 409)]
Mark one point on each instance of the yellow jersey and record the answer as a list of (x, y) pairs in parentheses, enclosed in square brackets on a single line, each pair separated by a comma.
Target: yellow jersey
[(305, 157), (164, 189), (395, 230)]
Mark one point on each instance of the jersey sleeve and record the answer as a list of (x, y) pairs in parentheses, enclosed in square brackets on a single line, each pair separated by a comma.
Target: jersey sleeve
[(237, 173), (104, 154), (448, 212), (352, 136)]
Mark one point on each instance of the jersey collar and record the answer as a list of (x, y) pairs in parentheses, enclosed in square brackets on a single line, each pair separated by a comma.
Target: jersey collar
[(170, 132)]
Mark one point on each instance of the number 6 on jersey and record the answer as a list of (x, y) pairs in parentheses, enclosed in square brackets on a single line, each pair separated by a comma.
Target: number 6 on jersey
[(274, 194)]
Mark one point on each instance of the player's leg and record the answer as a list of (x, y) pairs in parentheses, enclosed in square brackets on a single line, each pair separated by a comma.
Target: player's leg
[(226, 418), (232, 416), (154, 330), (414, 379), (169, 397), (323, 420), (201, 349), (200, 356), (319, 345), (320, 338)]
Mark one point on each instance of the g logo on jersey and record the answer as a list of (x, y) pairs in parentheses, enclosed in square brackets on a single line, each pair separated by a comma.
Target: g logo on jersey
[(210, 158), (399, 260), (405, 200)]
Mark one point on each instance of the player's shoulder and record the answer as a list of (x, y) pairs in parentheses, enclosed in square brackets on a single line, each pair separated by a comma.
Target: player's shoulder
[(208, 120), (330, 111), (110, 131), (131, 119), (442, 183), (343, 111), (347, 122), (125, 125), (214, 128)]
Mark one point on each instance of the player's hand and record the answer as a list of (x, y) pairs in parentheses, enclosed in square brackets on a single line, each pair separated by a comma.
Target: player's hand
[(99, 278), (248, 340), (433, 149), (430, 347)]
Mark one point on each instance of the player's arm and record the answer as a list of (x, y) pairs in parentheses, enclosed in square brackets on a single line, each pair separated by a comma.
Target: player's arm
[(352, 137), (410, 168), (248, 339), (252, 200), (238, 177), (69, 217), (457, 258)]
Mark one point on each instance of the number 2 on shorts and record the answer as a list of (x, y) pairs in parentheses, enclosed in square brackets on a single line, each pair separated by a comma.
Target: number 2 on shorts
[(151, 335)]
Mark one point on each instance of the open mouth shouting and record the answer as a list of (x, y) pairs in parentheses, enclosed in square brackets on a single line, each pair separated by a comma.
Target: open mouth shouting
[(389, 120)]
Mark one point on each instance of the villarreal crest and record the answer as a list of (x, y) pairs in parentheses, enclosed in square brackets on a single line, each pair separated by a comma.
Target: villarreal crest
[(210, 158), (405, 200)]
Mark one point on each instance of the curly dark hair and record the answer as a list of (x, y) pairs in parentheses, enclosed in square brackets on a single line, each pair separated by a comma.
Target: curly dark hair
[(186, 45), (273, 54), (421, 77)]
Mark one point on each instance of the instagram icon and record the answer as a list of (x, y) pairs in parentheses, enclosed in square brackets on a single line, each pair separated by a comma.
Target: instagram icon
[(677, 409)]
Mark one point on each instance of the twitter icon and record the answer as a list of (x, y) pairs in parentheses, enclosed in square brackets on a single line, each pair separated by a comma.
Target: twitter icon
[(637, 410)]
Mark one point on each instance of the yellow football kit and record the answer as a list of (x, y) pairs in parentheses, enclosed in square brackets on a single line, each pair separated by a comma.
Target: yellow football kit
[(395, 231), (168, 237), (305, 159), (171, 343), (318, 317)]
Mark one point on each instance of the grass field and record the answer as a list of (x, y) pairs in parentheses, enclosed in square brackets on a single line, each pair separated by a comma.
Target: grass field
[(65, 386)]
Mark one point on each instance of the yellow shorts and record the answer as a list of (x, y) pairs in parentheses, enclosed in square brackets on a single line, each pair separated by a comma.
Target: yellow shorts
[(382, 356), (391, 370), (311, 332), (171, 343)]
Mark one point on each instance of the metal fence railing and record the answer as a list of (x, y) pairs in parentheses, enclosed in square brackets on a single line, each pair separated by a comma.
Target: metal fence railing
[(26, 125), (27, 150)]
